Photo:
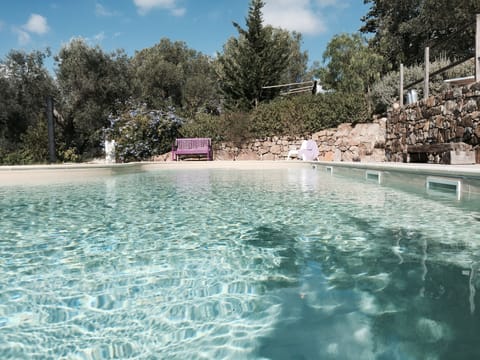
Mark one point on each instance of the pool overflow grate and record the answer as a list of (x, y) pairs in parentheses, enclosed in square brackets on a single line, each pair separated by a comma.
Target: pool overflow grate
[(445, 185), (329, 169), (371, 175)]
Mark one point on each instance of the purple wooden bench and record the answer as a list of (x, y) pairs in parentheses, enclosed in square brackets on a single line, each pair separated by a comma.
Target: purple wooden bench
[(192, 146)]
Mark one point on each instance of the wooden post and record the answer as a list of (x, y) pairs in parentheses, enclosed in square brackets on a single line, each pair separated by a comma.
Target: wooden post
[(401, 85), (51, 130), (477, 50), (427, 73)]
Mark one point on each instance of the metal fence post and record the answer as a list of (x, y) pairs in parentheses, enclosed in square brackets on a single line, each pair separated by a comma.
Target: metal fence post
[(401, 85), (477, 50), (427, 73), (51, 130)]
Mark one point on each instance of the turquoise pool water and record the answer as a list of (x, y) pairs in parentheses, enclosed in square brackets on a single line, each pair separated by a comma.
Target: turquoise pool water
[(237, 264)]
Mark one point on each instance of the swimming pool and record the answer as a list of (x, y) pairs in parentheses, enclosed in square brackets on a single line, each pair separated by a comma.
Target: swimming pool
[(239, 264)]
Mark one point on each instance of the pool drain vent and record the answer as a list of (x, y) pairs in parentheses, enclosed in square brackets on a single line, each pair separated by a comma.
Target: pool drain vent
[(371, 175), (445, 185), (329, 169)]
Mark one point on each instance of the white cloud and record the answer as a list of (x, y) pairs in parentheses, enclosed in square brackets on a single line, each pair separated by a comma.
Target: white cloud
[(36, 24), (23, 37), (178, 11), (102, 11), (2, 25), (99, 37), (339, 4), (294, 15), (326, 3), (144, 6)]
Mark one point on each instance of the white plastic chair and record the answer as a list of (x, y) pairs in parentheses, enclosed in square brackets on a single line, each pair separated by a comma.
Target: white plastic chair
[(295, 152), (310, 153)]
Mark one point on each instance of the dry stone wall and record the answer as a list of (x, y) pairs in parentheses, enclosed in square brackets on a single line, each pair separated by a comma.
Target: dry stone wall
[(361, 142), (347, 142), (452, 117)]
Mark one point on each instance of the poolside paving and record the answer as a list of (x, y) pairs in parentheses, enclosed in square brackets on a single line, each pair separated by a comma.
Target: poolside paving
[(30, 174)]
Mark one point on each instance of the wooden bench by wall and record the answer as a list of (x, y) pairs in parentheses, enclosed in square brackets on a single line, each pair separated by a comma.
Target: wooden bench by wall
[(197, 147), (445, 153)]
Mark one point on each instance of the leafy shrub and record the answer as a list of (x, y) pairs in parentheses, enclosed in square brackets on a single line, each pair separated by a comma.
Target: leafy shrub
[(205, 125), (386, 91), (68, 154), (306, 114), (32, 147), (35, 142), (295, 115), (232, 127), (140, 134)]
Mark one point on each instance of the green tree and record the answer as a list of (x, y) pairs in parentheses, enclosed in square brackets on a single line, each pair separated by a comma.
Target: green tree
[(200, 91), (257, 58), (351, 66), (92, 86), (24, 85), (159, 73), (171, 74), (402, 29), (296, 69)]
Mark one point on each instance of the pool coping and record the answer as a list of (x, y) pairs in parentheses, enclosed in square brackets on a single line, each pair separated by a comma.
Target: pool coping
[(29, 173), (462, 180), (473, 170), (462, 171)]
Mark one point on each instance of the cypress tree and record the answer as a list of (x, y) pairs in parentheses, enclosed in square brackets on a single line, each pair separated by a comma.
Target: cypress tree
[(257, 58)]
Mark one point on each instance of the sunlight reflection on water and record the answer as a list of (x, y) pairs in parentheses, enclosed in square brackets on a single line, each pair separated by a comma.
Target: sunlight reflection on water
[(235, 264)]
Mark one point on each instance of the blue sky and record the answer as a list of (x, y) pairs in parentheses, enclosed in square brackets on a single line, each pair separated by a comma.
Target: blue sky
[(204, 25)]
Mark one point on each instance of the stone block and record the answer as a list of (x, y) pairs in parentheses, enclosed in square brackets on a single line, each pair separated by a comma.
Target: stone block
[(378, 155), (471, 106), (430, 101), (450, 106), (477, 132), (268, 156), (426, 125), (467, 121), (275, 149), (338, 155), (328, 156), (347, 156), (344, 129), (460, 131), (247, 155), (475, 87), (460, 157), (223, 155), (475, 115)]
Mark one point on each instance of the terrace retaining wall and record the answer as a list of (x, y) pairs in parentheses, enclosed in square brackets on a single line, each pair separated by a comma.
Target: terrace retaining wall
[(347, 142), (453, 116)]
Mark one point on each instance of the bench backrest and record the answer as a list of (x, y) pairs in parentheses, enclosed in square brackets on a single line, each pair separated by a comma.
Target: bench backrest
[(193, 143)]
